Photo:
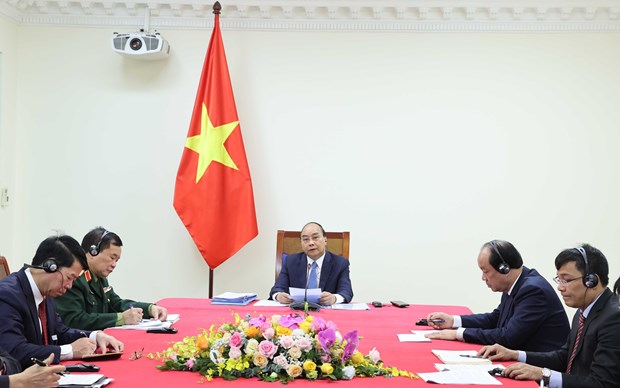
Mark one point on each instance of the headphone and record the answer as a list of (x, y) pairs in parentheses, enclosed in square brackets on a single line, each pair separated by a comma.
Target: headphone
[(503, 267), (590, 280), (94, 249), (49, 265)]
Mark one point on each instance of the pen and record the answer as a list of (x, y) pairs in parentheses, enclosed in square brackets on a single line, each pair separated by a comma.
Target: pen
[(469, 356), (41, 363), (439, 320)]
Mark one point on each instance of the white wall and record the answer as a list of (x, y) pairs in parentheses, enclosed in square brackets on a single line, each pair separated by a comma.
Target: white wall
[(424, 146)]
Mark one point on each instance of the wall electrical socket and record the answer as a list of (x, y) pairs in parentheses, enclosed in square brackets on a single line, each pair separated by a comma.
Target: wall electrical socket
[(4, 197)]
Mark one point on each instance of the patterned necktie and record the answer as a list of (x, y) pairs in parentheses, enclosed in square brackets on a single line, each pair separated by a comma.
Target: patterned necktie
[(43, 318), (582, 319), (312, 279)]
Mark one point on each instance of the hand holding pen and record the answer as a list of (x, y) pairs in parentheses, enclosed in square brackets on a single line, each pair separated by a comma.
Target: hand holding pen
[(132, 316), (47, 370), (439, 320)]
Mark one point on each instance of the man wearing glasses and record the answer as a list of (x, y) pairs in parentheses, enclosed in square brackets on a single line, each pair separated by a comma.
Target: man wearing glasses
[(316, 268), (591, 354), (29, 325), (530, 315), (92, 304)]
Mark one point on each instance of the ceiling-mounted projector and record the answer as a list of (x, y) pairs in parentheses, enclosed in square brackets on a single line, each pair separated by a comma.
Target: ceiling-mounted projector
[(141, 45)]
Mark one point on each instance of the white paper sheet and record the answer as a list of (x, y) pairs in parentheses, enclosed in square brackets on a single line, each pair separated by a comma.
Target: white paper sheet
[(298, 294), (349, 306), (460, 376), (460, 357), (269, 303), (412, 338)]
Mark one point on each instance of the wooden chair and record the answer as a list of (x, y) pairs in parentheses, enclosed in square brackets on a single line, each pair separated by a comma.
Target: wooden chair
[(4, 267), (290, 242)]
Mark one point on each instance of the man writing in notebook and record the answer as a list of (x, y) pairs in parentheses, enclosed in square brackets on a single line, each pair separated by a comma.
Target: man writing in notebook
[(530, 315), (92, 304), (29, 324), (591, 354), (316, 268)]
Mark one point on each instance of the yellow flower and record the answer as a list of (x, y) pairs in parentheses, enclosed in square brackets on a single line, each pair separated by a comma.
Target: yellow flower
[(202, 343), (357, 357), (260, 360), (327, 368), (281, 330), (294, 370), (305, 326), (252, 331), (309, 366)]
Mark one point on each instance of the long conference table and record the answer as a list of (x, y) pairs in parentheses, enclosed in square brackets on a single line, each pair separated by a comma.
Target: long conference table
[(378, 328)]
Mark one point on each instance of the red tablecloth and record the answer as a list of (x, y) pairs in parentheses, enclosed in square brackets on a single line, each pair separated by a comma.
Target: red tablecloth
[(378, 328)]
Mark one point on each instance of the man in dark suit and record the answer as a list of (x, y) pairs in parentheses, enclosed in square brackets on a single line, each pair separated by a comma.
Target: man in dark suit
[(530, 315), (29, 324), (35, 376), (591, 354), (331, 270)]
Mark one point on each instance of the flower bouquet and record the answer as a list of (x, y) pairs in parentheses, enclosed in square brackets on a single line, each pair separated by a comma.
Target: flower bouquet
[(276, 348)]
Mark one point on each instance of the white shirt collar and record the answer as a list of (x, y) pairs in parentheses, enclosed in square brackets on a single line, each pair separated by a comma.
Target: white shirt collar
[(515, 282), (38, 298), (587, 310), (319, 261)]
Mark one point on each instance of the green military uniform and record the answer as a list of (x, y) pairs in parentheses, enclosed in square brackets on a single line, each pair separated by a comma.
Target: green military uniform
[(93, 305)]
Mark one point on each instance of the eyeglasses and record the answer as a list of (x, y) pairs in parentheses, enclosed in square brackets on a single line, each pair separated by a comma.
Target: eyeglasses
[(135, 355), (564, 282)]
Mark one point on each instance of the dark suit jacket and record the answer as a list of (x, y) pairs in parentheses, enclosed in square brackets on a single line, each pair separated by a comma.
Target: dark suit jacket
[(88, 306), (12, 367), (334, 275), (531, 318), (20, 332), (597, 363)]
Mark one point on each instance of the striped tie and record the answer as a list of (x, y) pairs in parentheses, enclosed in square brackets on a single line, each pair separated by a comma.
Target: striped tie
[(582, 319)]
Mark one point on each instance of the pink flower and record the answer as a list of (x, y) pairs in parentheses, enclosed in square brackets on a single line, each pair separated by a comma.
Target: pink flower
[(267, 348), (374, 355), (235, 340), (268, 334), (280, 361), (234, 353), (190, 363), (326, 358), (286, 341), (304, 344)]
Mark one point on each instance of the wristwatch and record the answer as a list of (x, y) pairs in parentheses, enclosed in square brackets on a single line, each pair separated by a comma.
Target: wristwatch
[(546, 375)]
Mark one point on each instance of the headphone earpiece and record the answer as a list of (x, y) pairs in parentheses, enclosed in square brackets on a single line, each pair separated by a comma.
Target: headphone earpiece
[(49, 265), (94, 249), (503, 267), (590, 280)]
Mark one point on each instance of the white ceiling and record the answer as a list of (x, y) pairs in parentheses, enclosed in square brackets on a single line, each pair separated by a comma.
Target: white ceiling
[(327, 15)]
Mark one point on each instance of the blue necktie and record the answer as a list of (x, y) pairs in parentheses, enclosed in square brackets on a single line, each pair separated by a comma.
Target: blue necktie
[(312, 279)]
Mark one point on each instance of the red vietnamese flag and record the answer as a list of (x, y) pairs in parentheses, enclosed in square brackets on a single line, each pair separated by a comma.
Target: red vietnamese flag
[(213, 193)]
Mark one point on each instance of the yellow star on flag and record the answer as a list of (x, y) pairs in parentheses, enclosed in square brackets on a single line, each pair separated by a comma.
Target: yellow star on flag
[(210, 144)]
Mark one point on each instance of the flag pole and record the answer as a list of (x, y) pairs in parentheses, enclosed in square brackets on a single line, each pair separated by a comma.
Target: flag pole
[(217, 9)]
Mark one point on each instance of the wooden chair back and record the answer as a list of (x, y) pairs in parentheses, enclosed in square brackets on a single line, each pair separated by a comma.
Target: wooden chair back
[(4, 267), (289, 242)]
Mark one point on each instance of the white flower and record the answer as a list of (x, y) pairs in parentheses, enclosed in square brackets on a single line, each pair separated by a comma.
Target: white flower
[(374, 355), (348, 372), (251, 346)]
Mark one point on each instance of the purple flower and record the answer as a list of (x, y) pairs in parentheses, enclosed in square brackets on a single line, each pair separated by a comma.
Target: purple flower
[(327, 338), (291, 321), (352, 340), (258, 321), (190, 363), (318, 325)]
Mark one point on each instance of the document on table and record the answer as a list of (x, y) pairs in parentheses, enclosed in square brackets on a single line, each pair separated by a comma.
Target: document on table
[(482, 367), (460, 357), (146, 324), (412, 338), (234, 298), (269, 303), (299, 294), (84, 380), (348, 306), (460, 376)]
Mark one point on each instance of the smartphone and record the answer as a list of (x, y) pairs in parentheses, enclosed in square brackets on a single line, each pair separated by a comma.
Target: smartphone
[(162, 330), (399, 303), (82, 368)]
